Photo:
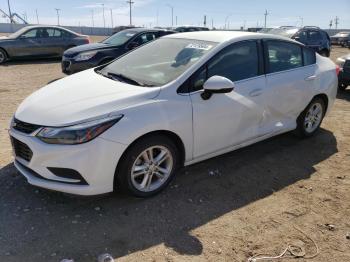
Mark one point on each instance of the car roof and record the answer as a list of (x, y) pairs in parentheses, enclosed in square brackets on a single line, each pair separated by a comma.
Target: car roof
[(226, 36), (141, 29), (49, 26)]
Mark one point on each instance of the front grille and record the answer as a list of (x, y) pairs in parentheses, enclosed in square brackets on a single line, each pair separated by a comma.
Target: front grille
[(24, 127), (21, 149)]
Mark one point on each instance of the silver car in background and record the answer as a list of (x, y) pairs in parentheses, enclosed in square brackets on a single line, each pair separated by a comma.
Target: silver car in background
[(39, 42)]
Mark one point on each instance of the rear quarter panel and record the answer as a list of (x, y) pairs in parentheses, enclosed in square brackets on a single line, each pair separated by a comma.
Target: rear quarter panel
[(327, 80)]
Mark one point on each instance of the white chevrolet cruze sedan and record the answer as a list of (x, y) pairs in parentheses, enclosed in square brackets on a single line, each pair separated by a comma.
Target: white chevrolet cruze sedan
[(176, 101)]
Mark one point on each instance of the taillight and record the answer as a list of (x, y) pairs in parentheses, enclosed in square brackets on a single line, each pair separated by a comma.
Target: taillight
[(337, 69)]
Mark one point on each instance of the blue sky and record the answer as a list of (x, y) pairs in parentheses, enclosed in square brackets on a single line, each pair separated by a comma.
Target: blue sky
[(189, 12)]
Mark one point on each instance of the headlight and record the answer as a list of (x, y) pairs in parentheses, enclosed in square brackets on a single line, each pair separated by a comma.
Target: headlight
[(85, 56), (77, 134)]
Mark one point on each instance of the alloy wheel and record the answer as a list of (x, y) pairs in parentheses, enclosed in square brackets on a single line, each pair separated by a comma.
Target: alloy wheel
[(313, 117), (152, 168)]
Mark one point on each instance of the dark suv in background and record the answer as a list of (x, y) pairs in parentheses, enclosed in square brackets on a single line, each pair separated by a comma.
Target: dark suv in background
[(311, 36), (88, 56), (344, 75)]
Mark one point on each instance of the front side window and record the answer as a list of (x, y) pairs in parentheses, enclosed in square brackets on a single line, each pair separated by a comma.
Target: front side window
[(301, 36), (31, 34), (283, 56), (236, 62), (160, 61), (143, 39)]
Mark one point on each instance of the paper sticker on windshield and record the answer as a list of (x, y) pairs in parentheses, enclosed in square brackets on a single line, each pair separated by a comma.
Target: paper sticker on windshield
[(130, 34), (199, 46)]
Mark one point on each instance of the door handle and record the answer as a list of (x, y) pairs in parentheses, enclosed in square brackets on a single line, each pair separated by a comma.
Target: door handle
[(310, 78), (256, 92)]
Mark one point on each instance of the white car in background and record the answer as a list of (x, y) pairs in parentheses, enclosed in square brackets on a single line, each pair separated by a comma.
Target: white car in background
[(176, 101)]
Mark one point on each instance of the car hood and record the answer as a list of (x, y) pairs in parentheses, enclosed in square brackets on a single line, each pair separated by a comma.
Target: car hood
[(86, 48), (80, 97), (5, 38)]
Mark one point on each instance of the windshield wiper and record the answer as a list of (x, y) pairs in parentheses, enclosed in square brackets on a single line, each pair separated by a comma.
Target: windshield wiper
[(122, 78), (126, 79)]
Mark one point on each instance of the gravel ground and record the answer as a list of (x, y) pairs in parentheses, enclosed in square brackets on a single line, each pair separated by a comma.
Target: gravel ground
[(228, 208)]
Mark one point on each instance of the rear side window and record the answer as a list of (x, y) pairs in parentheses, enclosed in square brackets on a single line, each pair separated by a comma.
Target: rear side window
[(58, 33), (309, 56), (314, 36), (283, 56)]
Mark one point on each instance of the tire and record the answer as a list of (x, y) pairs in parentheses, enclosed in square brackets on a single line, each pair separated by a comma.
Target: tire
[(304, 127), (3, 56), (134, 169)]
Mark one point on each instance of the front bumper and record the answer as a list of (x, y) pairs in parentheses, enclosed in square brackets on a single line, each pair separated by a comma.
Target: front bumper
[(70, 66), (95, 161)]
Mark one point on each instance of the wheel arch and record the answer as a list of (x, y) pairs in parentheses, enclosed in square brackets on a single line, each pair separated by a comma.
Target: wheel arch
[(171, 135), (325, 99), (7, 54)]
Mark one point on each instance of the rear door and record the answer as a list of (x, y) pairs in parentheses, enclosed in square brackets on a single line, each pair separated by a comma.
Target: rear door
[(52, 42), (289, 83)]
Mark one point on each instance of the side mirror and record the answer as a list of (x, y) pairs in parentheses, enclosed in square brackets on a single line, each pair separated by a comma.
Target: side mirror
[(217, 85), (296, 38), (133, 45)]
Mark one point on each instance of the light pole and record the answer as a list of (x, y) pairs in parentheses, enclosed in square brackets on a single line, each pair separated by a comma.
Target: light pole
[(265, 14), (130, 5), (37, 16), (227, 17), (58, 15), (10, 14), (172, 14), (103, 12), (112, 17), (92, 18), (302, 21)]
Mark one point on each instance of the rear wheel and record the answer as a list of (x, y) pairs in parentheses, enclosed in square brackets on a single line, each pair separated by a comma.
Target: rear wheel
[(148, 166), (309, 121), (3, 56)]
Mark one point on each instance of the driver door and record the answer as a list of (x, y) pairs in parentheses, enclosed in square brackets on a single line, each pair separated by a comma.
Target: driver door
[(233, 118), (28, 44)]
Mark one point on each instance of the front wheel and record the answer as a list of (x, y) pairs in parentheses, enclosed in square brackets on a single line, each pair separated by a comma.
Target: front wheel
[(147, 166), (3, 56), (309, 121)]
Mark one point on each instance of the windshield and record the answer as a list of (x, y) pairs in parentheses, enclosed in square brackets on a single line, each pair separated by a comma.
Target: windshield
[(18, 33), (160, 61), (287, 32), (120, 38)]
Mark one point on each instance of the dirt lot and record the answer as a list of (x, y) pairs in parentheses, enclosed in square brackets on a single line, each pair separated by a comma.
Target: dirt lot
[(225, 209)]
